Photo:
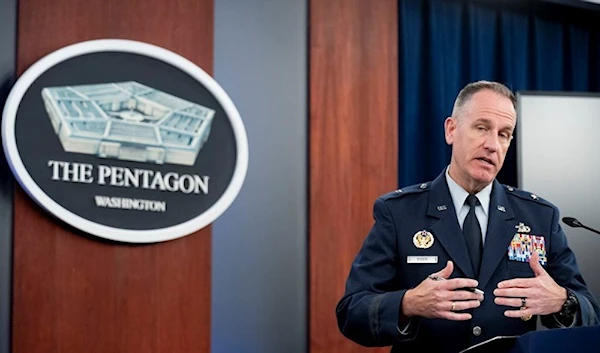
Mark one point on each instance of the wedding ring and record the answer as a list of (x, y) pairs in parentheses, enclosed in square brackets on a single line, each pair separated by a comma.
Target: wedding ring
[(453, 306), (523, 302), (527, 317)]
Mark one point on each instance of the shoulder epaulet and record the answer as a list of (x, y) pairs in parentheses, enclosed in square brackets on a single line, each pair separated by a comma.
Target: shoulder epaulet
[(526, 195), (412, 189)]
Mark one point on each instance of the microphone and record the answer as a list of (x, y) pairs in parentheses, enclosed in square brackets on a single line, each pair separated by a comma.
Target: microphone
[(573, 222)]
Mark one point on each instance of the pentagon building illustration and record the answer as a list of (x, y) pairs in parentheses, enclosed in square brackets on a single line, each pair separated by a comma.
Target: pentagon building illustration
[(128, 121)]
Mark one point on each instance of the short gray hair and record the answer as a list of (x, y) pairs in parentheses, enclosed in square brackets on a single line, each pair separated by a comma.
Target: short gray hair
[(469, 91)]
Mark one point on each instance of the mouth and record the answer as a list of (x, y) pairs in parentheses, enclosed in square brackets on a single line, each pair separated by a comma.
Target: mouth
[(486, 160)]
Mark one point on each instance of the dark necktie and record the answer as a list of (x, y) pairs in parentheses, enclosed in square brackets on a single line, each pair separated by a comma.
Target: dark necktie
[(472, 233)]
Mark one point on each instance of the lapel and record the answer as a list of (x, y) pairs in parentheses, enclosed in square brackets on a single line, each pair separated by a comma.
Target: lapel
[(499, 233), (446, 228)]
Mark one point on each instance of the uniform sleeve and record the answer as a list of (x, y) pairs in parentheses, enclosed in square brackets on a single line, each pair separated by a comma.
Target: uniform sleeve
[(369, 311), (563, 268)]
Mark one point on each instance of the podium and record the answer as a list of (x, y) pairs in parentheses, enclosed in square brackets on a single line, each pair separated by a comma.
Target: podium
[(577, 339)]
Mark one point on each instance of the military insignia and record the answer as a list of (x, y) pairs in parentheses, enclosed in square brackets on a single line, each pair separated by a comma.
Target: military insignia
[(442, 208), (501, 208), (522, 228), (522, 247), (423, 239)]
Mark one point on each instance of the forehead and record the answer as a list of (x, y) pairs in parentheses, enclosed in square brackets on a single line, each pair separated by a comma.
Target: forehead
[(492, 106)]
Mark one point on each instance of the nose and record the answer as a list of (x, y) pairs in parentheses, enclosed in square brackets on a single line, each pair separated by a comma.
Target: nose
[(492, 142)]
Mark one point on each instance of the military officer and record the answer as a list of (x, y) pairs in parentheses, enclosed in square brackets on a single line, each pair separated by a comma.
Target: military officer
[(456, 261)]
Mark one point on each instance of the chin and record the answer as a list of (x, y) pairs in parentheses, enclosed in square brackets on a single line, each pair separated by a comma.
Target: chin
[(486, 180), (483, 177)]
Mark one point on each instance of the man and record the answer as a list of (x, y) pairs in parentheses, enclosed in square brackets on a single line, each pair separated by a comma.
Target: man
[(412, 285)]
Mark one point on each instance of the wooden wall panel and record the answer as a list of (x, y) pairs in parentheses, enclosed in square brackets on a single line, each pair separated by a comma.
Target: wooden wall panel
[(76, 293), (353, 145)]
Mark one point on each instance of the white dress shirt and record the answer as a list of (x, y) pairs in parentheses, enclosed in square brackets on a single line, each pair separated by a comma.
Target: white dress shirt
[(459, 195)]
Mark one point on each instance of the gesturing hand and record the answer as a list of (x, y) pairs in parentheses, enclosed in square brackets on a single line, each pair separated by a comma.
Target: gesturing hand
[(441, 299), (539, 295)]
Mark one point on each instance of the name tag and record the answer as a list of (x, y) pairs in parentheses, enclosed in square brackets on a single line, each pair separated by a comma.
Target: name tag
[(422, 259)]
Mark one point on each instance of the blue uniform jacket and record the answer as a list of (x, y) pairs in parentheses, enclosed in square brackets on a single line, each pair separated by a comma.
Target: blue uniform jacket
[(369, 310)]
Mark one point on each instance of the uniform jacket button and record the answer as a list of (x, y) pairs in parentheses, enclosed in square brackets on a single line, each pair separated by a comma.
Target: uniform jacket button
[(477, 331)]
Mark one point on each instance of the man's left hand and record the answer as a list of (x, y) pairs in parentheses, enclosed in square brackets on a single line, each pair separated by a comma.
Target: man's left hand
[(541, 294)]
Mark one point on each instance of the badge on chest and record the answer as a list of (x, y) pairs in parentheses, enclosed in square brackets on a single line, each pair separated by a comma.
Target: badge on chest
[(422, 240)]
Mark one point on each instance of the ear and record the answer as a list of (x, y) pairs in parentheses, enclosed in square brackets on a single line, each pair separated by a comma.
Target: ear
[(449, 128)]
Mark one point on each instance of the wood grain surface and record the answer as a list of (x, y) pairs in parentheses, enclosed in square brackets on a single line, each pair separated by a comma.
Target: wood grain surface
[(353, 79), (75, 293)]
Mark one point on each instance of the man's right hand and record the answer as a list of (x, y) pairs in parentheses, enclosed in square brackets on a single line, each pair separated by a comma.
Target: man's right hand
[(441, 299)]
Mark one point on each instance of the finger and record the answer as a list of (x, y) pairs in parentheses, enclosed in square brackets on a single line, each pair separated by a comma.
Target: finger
[(516, 283), (479, 293), (465, 305), (449, 315), (457, 283), (514, 302), (513, 292), (464, 295), (446, 271), (519, 313), (534, 264)]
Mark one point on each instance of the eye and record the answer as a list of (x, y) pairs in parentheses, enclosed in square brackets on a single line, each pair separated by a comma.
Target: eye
[(505, 135)]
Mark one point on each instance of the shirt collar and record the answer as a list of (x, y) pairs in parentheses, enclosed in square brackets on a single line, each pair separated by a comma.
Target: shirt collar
[(459, 195)]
